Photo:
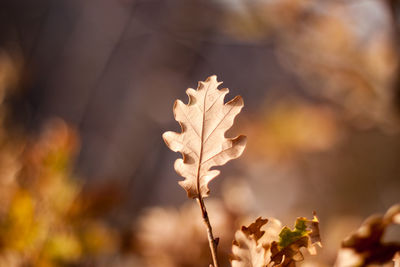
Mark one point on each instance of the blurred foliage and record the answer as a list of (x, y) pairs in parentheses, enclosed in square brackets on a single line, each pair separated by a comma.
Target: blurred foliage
[(366, 246), (42, 221), (39, 226), (290, 127), (171, 237), (342, 51)]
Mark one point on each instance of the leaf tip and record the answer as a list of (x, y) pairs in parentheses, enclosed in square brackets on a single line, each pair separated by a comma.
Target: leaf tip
[(212, 78)]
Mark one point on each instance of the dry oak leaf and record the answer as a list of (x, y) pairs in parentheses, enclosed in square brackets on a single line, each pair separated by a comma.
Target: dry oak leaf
[(247, 248), (202, 142), (365, 246), (305, 234)]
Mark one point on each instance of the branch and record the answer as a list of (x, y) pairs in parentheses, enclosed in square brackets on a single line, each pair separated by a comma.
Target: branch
[(213, 243)]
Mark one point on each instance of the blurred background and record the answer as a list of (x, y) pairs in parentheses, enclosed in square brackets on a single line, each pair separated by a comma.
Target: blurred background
[(87, 89)]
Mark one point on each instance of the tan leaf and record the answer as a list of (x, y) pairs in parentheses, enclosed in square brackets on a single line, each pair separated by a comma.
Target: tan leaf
[(247, 248), (202, 143), (365, 246)]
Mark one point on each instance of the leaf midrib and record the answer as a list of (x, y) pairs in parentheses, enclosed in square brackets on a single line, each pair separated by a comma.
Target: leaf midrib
[(201, 141)]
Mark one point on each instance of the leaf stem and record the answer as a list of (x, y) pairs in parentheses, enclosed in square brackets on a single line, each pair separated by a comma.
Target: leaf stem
[(213, 243)]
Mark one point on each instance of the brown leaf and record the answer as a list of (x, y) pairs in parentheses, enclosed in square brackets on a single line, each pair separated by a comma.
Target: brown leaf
[(202, 143), (247, 249), (254, 228), (365, 246), (305, 234)]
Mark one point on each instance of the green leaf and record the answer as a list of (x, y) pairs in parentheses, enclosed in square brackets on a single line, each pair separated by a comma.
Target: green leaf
[(287, 236)]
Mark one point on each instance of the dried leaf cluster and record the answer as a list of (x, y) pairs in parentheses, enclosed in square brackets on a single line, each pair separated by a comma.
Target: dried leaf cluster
[(280, 249)]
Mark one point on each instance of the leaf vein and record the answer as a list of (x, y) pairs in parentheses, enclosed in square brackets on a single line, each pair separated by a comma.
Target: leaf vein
[(219, 123)]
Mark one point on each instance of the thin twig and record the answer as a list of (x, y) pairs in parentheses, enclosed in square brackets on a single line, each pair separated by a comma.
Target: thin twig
[(211, 241)]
